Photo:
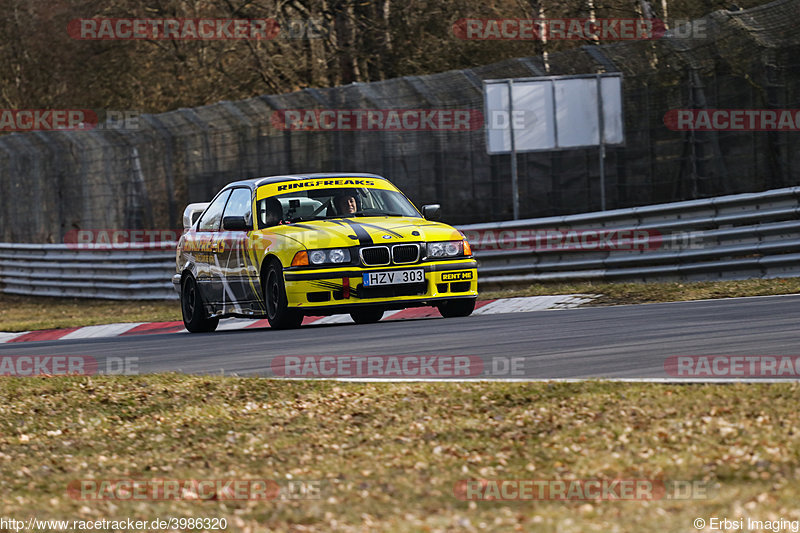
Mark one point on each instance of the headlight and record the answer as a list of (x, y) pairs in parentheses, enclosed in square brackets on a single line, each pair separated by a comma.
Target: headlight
[(317, 257), (332, 256), (337, 255), (445, 249)]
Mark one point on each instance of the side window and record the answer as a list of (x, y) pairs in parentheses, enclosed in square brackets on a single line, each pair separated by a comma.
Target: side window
[(213, 216), (239, 204)]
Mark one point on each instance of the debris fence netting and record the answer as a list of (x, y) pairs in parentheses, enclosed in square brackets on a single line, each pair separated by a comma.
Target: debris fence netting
[(52, 183)]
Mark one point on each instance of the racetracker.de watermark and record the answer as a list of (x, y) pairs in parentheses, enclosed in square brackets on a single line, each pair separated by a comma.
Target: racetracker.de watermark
[(121, 239), (540, 240), (733, 366), (178, 29), (66, 365), (22, 120), (47, 119), (411, 367), (582, 489), (377, 366), (194, 489), (377, 119), (732, 119), (508, 29)]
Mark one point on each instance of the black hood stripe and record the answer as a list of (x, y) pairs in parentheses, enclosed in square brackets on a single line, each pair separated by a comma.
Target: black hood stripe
[(411, 225), (367, 225), (363, 235), (364, 238), (302, 226), (380, 228)]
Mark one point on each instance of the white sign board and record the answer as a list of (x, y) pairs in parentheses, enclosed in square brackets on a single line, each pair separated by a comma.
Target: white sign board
[(553, 113)]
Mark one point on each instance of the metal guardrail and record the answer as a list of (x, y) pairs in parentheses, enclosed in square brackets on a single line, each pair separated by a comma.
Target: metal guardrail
[(728, 237), (136, 272), (755, 235)]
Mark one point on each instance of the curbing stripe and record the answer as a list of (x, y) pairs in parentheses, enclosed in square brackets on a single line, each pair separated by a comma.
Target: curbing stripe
[(240, 324), (154, 327), (263, 323), (105, 330), (43, 335), (8, 337), (414, 312), (504, 305)]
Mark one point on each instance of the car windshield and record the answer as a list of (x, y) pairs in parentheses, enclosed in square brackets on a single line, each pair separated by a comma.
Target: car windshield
[(328, 203)]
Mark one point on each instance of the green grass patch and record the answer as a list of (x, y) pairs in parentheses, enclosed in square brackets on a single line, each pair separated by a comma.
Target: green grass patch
[(387, 456)]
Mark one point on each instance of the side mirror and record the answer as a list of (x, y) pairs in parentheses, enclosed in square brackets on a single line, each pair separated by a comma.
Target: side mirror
[(235, 224), (432, 211)]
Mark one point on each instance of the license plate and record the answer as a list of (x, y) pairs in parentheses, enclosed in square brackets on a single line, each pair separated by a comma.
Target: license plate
[(394, 277)]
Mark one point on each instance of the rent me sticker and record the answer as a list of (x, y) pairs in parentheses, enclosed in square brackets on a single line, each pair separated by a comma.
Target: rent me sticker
[(456, 276)]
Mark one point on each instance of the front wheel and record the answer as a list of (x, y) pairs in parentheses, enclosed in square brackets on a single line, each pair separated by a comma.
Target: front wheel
[(456, 308), (367, 316), (279, 314), (194, 314)]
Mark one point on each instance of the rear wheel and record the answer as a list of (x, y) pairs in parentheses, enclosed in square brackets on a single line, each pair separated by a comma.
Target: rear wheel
[(194, 314), (279, 314), (367, 316), (456, 308)]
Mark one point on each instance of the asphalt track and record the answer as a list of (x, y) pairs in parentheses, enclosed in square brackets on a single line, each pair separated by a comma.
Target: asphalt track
[(629, 342)]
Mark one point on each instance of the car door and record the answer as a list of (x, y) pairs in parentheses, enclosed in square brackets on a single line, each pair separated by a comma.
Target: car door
[(205, 243), (236, 260)]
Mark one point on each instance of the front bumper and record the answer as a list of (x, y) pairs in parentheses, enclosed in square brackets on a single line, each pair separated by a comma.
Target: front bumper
[(342, 288)]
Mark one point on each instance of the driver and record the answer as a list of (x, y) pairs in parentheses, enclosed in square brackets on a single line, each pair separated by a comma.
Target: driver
[(271, 212), (346, 203)]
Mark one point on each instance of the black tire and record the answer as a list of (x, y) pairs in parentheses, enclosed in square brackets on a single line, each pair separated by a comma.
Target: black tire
[(279, 314), (456, 308), (369, 315), (195, 318)]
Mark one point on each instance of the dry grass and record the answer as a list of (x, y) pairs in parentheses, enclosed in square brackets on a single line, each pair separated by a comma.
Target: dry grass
[(389, 455)]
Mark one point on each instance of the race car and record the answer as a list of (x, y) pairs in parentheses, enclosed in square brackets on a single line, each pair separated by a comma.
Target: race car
[(285, 247)]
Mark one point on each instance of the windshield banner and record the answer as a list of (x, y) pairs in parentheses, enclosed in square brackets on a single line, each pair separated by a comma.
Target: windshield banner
[(274, 189)]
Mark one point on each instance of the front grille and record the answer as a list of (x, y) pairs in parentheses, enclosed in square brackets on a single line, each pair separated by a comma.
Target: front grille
[(375, 256), (403, 254), (389, 291)]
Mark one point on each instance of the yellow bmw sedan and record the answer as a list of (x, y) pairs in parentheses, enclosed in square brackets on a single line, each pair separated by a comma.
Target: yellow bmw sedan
[(284, 247)]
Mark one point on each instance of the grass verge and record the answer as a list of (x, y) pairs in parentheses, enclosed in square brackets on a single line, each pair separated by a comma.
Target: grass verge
[(387, 456), (636, 293), (24, 313), (28, 313)]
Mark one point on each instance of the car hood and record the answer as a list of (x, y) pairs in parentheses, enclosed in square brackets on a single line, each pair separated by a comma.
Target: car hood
[(365, 231)]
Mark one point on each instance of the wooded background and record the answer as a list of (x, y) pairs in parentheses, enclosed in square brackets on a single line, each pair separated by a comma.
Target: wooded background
[(374, 55)]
